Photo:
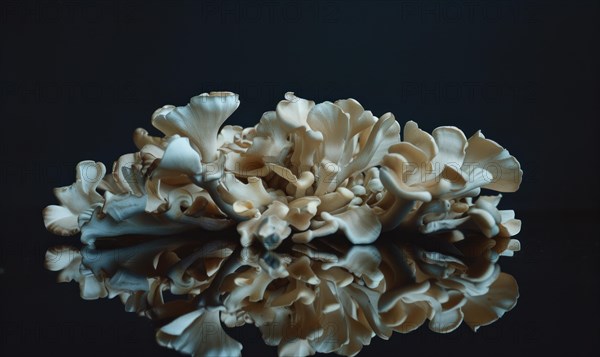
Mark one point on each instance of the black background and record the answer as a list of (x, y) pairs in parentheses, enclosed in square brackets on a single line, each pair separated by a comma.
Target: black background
[(77, 77)]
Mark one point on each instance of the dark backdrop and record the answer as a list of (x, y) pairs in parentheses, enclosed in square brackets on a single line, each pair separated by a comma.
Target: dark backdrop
[(77, 77)]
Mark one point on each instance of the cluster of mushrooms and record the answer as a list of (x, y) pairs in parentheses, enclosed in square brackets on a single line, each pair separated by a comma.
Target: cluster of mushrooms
[(305, 172)]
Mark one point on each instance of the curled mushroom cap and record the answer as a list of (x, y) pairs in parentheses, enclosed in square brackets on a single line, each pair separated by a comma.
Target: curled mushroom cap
[(200, 120), (76, 200)]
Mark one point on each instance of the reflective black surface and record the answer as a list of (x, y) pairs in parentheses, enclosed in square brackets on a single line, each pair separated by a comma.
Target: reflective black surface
[(325, 296), (79, 77), (556, 277)]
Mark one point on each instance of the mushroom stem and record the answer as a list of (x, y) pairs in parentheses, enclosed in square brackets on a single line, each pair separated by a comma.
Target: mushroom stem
[(392, 218), (211, 188), (210, 298), (327, 178)]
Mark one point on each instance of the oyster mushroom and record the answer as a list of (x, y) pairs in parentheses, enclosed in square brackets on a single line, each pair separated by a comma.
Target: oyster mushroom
[(200, 120), (77, 201)]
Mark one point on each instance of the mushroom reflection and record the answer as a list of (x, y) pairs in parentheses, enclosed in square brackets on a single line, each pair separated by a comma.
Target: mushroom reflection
[(323, 296)]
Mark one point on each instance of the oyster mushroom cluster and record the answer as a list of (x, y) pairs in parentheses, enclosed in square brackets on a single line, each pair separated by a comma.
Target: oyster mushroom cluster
[(305, 171), (324, 296)]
